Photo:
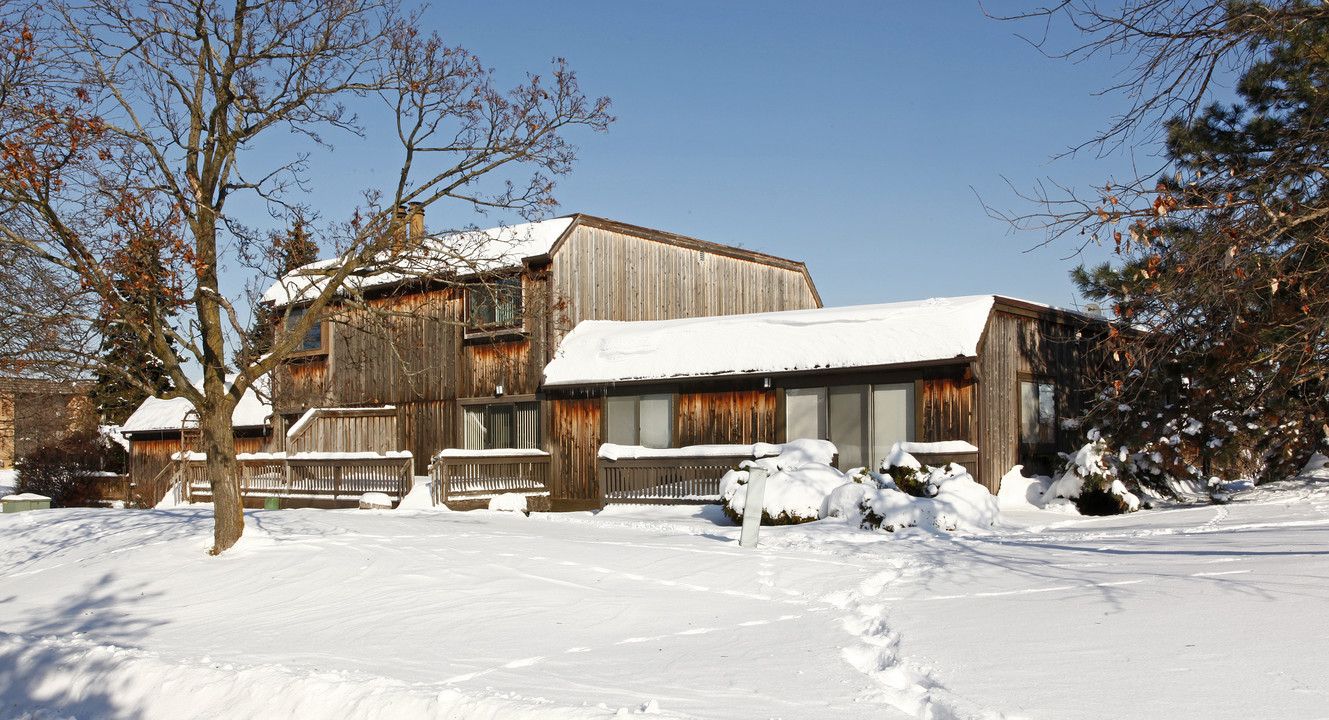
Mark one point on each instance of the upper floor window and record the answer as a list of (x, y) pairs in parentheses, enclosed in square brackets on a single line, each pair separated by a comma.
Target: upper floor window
[(313, 339), (495, 305)]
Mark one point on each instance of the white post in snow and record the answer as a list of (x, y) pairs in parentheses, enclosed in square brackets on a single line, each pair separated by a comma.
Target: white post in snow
[(752, 507)]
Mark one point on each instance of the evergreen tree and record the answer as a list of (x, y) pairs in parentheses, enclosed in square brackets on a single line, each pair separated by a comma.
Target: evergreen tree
[(129, 371), (288, 250), (1226, 276)]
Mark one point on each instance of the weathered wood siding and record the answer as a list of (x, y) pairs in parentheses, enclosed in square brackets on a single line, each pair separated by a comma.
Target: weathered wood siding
[(428, 427), (944, 409), (1017, 347), (356, 431), (147, 458), (998, 400), (573, 439), (724, 418), (601, 274)]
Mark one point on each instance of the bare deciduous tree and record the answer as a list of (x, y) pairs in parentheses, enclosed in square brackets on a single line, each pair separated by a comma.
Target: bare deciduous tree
[(122, 121)]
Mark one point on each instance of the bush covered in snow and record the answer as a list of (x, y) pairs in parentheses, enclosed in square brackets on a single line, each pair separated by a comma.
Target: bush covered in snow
[(799, 479), (1091, 479), (945, 498), (803, 487)]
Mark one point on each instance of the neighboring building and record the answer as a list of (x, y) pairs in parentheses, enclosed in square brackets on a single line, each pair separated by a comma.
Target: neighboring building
[(34, 412), (997, 373), (462, 362), (159, 429)]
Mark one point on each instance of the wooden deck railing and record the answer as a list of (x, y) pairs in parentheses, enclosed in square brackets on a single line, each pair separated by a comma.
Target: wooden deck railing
[(479, 475), (313, 479), (674, 479)]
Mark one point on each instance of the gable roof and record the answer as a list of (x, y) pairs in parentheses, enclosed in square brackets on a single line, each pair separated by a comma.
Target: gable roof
[(600, 351), (472, 252), (156, 414), (465, 253)]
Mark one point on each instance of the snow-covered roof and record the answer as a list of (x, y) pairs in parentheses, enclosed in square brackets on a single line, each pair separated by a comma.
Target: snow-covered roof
[(599, 351), (467, 252), (157, 414)]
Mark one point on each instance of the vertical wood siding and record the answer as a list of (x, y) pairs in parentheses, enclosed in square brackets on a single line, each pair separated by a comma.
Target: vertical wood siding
[(603, 275), (574, 440), (360, 432), (945, 409), (1038, 348), (722, 418)]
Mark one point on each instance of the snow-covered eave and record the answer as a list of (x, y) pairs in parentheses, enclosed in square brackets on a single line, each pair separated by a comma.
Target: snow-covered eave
[(819, 371)]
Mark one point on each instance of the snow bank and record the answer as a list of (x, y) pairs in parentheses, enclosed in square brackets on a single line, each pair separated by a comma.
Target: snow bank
[(1317, 467), (8, 480), (421, 498), (1017, 492), (509, 502)]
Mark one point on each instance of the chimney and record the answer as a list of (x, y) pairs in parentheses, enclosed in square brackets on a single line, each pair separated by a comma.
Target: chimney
[(415, 216)]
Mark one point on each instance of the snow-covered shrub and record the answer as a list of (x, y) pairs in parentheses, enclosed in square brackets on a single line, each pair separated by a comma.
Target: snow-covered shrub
[(1091, 480), (957, 502), (798, 481), (908, 473)]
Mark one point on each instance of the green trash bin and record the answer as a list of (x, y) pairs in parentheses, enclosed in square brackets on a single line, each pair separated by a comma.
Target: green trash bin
[(272, 503)]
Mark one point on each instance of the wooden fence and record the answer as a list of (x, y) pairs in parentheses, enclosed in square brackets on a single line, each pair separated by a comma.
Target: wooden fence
[(674, 479), (311, 481), (460, 476)]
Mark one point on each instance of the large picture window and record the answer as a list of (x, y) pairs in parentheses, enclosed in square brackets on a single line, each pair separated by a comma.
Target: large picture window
[(863, 421), (496, 426), (495, 305), (646, 420)]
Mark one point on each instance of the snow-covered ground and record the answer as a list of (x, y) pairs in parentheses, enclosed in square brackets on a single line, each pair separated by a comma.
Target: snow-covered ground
[(1197, 612)]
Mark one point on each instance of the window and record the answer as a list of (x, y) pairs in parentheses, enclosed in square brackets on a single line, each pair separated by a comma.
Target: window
[(496, 305), (1038, 412), (501, 425), (313, 340), (863, 421), (646, 420)]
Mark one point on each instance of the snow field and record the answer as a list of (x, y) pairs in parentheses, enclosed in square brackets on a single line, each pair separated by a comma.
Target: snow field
[(1195, 612)]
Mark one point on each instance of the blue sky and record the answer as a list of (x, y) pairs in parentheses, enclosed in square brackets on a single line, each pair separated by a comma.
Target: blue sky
[(856, 137)]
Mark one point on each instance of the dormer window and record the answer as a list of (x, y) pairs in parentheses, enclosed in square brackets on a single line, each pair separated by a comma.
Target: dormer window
[(313, 339), (495, 305)]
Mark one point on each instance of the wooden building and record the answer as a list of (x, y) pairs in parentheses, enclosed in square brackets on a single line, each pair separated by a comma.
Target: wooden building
[(160, 429), (999, 374), (458, 346)]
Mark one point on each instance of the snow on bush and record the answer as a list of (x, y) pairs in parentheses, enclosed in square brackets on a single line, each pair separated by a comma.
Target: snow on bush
[(945, 498), (1091, 480), (798, 481), (509, 502), (803, 487)]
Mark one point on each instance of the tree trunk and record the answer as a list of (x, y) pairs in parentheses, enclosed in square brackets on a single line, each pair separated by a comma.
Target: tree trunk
[(222, 473)]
